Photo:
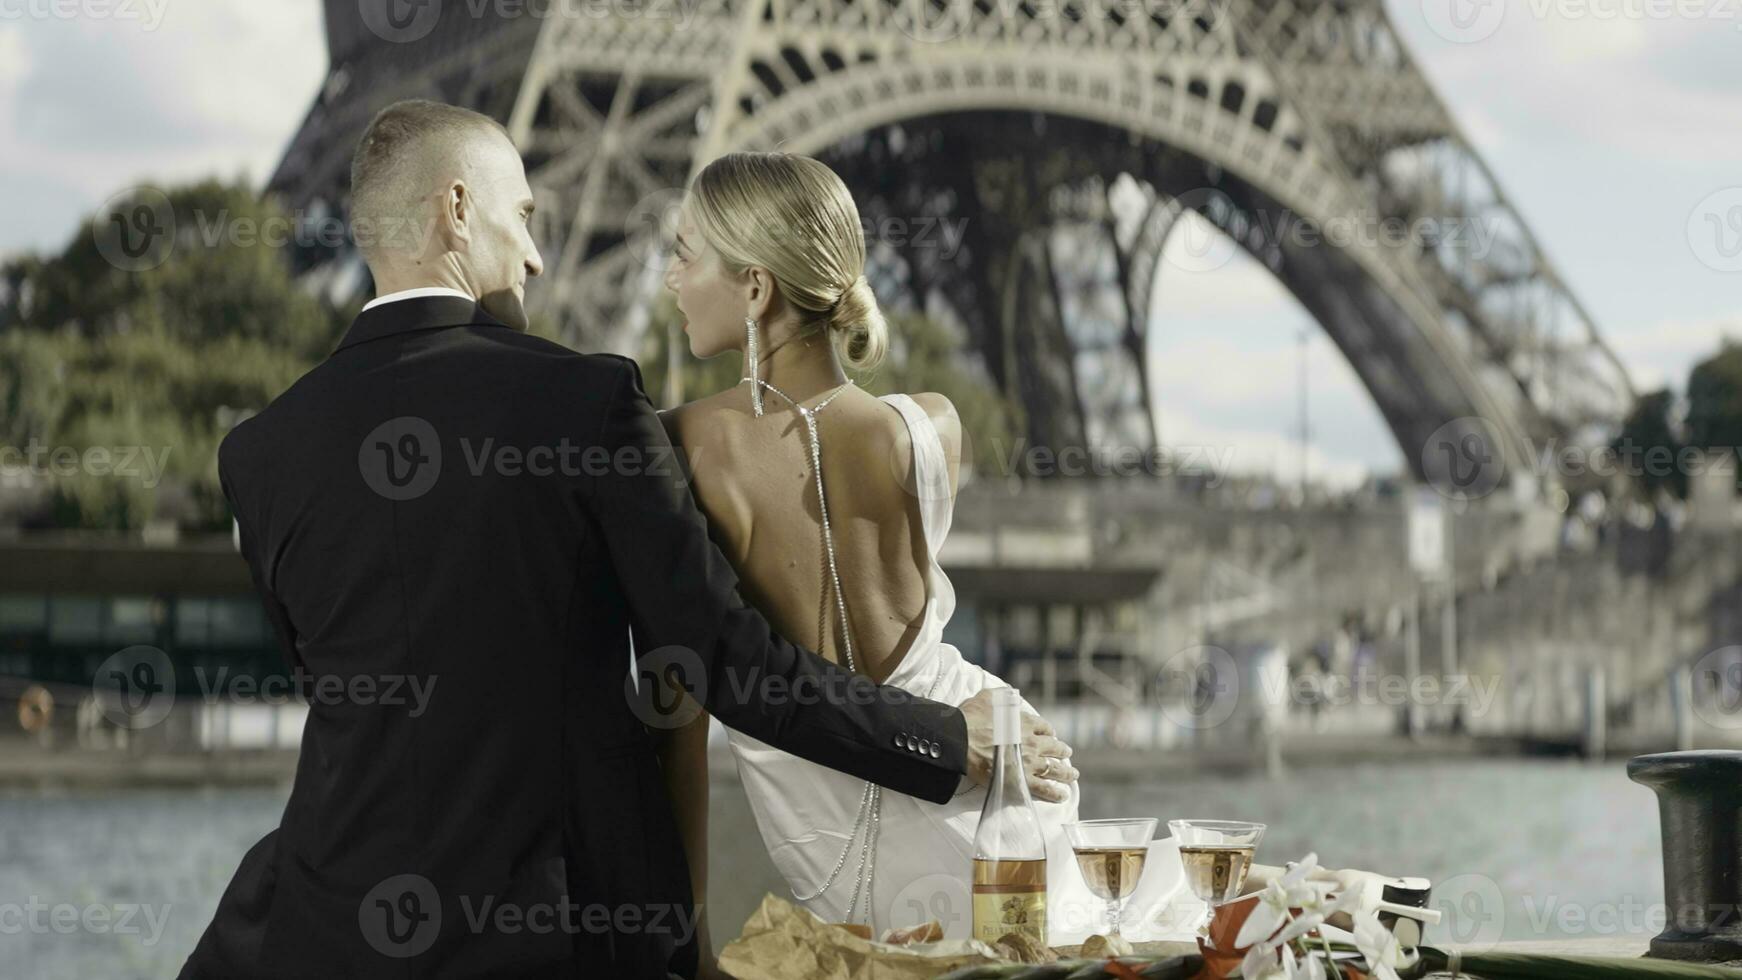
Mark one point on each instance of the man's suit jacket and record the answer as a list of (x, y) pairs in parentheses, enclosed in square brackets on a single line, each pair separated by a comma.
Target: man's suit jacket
[(451, 506)]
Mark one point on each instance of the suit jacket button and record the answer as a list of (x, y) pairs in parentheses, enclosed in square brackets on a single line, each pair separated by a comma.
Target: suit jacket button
[(912, 744), (935, 751), (898, 742)]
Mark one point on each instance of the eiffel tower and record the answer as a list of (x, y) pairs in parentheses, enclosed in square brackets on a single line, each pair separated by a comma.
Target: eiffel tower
[(1071, 135)]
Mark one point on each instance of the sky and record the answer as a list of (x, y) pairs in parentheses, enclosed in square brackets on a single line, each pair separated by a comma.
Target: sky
[(1614, 125)]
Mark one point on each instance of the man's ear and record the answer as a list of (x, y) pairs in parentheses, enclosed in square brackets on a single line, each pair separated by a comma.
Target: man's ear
[(458, 211)]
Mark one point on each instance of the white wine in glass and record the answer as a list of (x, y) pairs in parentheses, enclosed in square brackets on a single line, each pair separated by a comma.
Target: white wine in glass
[(1111, 855), (1216, 855)]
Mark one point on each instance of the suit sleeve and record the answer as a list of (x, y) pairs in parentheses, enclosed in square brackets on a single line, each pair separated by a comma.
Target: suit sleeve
[(683, 593), (247, 531)]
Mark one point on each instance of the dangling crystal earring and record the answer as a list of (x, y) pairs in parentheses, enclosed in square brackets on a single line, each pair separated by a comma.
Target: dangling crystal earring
[(751, 375)]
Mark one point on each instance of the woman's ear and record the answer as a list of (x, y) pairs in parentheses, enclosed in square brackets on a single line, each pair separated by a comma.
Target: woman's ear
[(758, 292)]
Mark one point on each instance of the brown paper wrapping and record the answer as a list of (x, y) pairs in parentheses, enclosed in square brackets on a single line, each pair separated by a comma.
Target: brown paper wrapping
[(782, 941)]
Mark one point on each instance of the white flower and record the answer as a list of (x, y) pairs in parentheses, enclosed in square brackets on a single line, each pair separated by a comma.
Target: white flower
[(1312, 968), (1292, 890), (1267, 914), (1261, 963), (1269, 930), (1378, 946)]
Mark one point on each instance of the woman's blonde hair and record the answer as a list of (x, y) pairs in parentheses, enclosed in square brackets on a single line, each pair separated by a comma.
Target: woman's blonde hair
[(792, 216)]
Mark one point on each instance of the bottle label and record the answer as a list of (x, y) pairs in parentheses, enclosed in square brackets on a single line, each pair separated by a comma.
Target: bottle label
[(999, 911)]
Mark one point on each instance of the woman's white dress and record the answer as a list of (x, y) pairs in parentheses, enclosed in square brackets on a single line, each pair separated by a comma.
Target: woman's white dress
[(922, 855)]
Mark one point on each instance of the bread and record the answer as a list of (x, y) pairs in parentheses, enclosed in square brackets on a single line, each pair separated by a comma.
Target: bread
[(1024, 948), (925, 932), (1100, 947)]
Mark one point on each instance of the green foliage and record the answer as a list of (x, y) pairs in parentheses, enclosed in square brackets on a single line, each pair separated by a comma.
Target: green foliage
[(164, 359), (924, 356), (927, 357), (1647, 437), (1715, 400)]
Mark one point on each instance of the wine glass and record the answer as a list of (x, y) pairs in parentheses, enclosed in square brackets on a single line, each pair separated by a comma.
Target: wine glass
[(1111, 854), (1216, 855)]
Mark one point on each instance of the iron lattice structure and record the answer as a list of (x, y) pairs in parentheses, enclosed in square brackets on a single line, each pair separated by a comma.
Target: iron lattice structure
[(1072, 137)]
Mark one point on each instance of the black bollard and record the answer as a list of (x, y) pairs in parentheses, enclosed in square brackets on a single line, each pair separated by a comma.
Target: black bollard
[(1699, 805)]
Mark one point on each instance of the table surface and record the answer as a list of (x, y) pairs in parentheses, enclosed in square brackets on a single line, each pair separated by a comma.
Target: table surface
[(1627, 946)]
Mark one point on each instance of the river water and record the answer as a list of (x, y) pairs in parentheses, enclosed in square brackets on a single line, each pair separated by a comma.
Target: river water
[(119, 884)]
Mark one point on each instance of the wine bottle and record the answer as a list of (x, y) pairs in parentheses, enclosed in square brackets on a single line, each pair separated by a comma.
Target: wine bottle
[(1009, 886)]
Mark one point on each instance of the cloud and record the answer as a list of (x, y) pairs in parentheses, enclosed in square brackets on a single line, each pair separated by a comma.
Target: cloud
[(1663, 354), (1225, 372), (1661, 87), (98, 104), (15, 63), (1260, 452)]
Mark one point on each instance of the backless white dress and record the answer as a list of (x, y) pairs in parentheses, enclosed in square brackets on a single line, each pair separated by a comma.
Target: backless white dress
[(854, 852)]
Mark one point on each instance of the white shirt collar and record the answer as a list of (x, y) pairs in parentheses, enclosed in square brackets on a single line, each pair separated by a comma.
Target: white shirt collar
[(418, 293)]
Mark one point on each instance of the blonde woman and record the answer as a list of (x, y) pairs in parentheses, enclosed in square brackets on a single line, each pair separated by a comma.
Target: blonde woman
[(831, 504)]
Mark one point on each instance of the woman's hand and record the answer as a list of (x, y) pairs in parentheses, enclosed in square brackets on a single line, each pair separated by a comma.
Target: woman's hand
[(1047, 758)]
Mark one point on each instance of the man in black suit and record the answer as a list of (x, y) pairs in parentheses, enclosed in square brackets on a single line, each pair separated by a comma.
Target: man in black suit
[(455, 528)]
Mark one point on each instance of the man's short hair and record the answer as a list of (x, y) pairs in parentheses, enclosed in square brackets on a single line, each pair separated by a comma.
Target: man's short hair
[(407, 146)]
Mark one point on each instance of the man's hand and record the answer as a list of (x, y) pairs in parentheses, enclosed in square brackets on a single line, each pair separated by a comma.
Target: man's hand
[(1050, 773)]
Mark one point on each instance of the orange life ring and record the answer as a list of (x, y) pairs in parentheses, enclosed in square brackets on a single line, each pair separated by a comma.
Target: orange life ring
[(35, 708)]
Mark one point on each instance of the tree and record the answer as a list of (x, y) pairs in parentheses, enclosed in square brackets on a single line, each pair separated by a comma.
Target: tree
[(96, 355), (1647, 438), (1715, 401)]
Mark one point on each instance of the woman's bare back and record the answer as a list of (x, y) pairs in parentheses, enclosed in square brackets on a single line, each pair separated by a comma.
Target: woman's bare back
[(753, 480)]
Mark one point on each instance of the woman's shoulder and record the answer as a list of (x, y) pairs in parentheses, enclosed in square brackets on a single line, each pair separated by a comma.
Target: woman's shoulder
[(704, 420), (948, 425), (944, 419)]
